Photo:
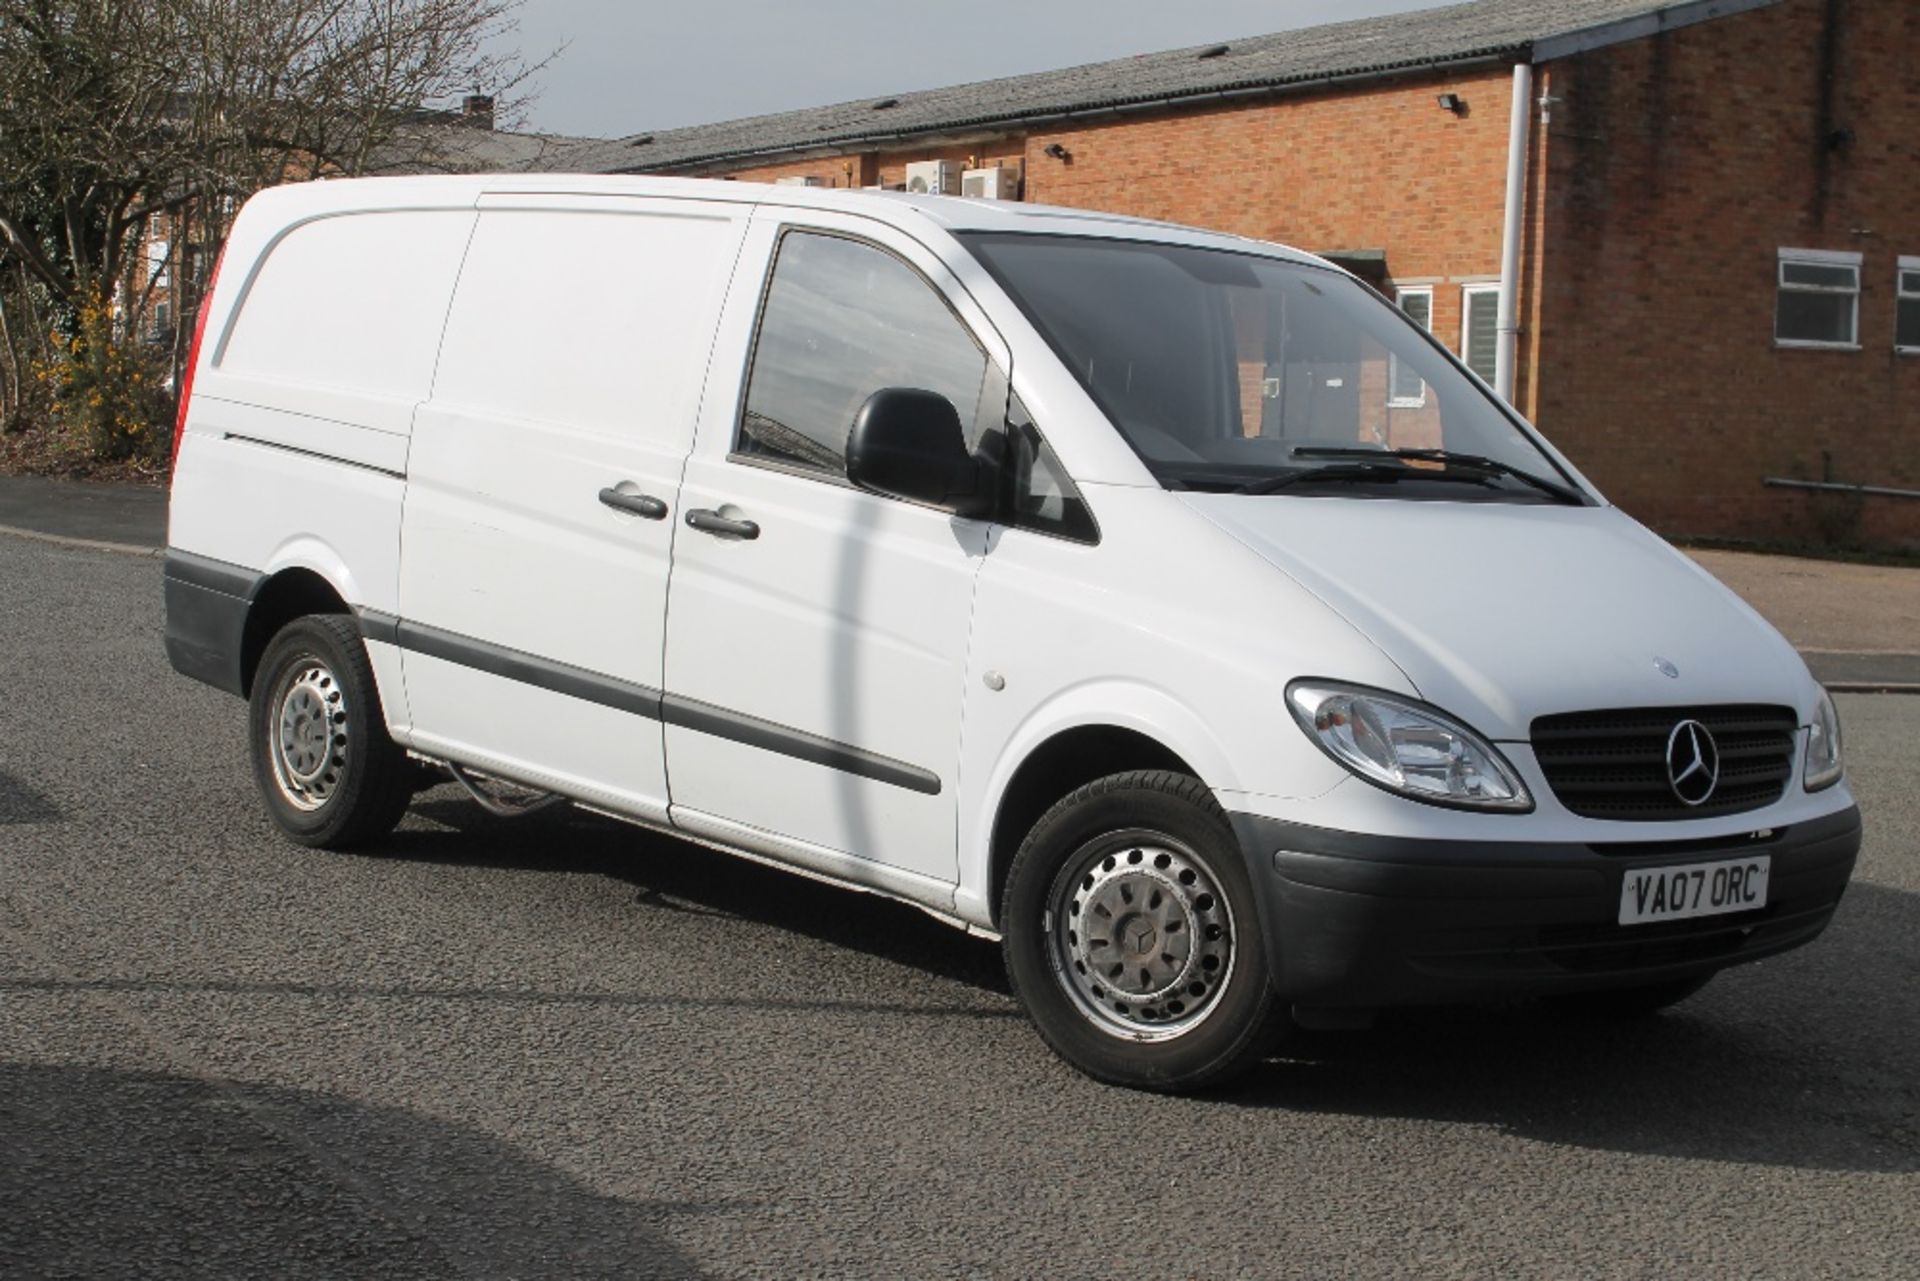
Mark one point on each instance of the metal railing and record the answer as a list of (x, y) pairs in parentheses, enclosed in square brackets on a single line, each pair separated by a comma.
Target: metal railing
[(1834, 486)]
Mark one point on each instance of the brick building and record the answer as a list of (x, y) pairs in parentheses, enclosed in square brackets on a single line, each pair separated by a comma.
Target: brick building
[(1715, 256)]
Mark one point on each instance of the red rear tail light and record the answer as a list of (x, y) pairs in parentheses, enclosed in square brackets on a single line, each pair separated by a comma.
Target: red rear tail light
[(193, 362)]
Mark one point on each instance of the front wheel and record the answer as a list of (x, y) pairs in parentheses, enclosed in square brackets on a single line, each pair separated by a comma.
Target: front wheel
[(329, 773), (1131, 935)]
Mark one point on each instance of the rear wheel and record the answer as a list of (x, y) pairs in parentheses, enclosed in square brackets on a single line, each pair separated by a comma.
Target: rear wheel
[(329, 773), (1132, 938)]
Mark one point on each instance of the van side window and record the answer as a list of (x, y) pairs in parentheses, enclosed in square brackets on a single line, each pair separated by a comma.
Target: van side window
[(842, 320), (1044, 496)]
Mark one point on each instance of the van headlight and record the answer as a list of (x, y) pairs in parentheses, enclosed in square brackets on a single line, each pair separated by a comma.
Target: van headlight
[(1823, 745), (1406, 747)]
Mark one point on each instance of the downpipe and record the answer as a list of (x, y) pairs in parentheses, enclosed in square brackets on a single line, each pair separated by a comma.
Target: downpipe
[(1507, 324)]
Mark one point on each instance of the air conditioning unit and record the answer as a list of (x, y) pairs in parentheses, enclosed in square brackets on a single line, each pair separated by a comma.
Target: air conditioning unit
[(798, 181), (998, 183), (934, 177)]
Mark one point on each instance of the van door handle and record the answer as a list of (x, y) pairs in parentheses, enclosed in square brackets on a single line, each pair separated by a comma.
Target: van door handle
[(708, 521), (639, 504)]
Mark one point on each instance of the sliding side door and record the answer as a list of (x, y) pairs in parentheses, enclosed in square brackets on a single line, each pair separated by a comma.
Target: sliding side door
[(544, 488)]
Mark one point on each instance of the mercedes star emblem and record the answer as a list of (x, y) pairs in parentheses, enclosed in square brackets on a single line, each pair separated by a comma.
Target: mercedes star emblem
[(1693, 762)]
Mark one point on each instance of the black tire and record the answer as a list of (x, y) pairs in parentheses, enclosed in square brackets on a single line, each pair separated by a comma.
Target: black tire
[(333, 786), (1123, 840), (1628, 1002)]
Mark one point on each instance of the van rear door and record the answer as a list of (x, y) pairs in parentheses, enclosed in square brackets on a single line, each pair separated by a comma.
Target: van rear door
[(544, 484)]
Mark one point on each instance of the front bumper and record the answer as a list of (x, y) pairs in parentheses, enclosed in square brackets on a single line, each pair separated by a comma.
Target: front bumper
[(1367, 921)]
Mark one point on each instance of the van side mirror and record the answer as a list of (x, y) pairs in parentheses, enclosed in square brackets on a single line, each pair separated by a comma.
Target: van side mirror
[(908, 443)]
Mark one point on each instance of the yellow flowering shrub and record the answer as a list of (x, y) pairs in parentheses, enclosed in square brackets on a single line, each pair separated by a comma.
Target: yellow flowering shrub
[(107, 392)]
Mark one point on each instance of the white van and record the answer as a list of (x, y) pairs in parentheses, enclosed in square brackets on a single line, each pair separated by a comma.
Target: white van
[(1164, 603)]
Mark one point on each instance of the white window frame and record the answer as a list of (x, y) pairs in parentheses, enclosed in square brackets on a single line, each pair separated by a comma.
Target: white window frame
[(1467, 294), (1400, 297), (1816, 258), (1907, 264)]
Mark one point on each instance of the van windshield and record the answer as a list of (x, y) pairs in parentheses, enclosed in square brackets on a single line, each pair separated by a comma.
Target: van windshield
[(1237, 372)]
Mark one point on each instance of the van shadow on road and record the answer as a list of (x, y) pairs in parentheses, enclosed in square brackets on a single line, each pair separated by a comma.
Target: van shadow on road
[(111, 1174), (679, 876), (1790, 1083), (1799, 1082)]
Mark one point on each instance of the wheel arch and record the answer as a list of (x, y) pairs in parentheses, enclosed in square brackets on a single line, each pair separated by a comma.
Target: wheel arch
[(1069, 759), (1087, 733), (1103, 726), (288, 593)]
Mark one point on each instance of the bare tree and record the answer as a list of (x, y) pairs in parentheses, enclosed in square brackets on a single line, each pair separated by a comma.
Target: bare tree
[(119, 116)]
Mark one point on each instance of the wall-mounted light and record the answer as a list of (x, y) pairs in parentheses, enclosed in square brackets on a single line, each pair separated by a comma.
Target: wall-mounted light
[(1058, 152), (1452, 102)]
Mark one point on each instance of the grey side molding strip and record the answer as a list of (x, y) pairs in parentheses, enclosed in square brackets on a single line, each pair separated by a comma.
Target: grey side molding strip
[(512, 664), (641, 700), (738, 727), (376, 626)]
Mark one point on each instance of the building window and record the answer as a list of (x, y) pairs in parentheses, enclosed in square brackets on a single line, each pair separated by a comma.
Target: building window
[(1480, 328), (1906, 330), (1819, 303), (1406, 389)]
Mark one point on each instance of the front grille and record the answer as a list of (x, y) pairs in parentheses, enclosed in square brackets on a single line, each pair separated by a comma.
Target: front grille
[(1613, 764)]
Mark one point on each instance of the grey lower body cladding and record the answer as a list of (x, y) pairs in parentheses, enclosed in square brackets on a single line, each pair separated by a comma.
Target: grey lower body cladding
[(206, 605)]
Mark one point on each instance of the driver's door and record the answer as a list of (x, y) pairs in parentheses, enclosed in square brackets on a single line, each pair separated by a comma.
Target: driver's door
[(817, 634)]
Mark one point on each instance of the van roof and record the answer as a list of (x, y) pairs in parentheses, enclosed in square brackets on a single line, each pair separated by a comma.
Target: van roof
[(951, 213)]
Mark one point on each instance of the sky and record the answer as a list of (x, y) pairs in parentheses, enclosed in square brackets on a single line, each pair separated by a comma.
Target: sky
[(630, 66)]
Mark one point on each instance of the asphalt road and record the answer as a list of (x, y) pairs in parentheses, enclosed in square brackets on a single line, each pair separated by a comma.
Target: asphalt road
[(126, 515), (566, 1048)]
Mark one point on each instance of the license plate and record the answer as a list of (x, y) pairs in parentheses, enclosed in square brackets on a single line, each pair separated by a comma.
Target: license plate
[(1694, 889)]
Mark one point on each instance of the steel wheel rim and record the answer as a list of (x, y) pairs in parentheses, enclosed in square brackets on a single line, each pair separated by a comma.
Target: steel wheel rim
[(308, 736), (1140, 936)]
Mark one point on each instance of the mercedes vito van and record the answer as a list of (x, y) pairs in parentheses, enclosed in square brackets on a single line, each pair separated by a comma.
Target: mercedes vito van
[(1163, 603)]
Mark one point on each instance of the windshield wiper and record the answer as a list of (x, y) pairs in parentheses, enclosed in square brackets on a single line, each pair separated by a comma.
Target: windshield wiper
[(1386, 472), (1447, 458), (1201, 482)]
